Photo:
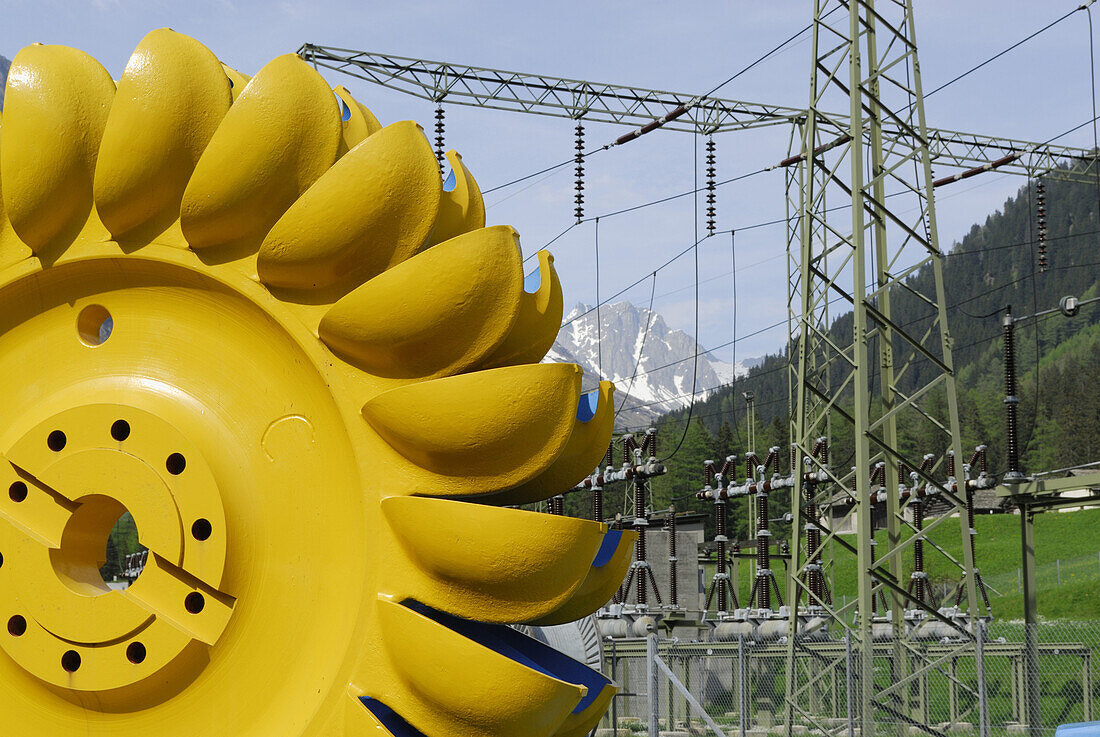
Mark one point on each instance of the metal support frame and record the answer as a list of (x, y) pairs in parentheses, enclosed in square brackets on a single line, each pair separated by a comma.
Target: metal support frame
[(865, 254), (540, 94)]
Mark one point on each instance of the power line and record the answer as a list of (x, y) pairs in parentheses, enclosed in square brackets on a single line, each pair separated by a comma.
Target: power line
[(695, 225), (998, 55), (773, 326), (666, 118), (765, 56), (599, 322), (641, 347), (780, 221)]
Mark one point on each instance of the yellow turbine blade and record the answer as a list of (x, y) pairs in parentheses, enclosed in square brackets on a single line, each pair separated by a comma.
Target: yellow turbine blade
[(12, 250), (371, 211), (486, 563), (55, 109), (476, 433), (587, 443), (462, 208), (278, 138), (581, 723), (171, 98), (437, 314), (448, 684), (358, 121), (539, 319), (606, 575)]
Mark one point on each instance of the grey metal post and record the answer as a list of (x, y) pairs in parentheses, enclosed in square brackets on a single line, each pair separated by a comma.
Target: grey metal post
[(1058, 568), (654, 683), (742, 689), (979, 664), (849, 687), (614, 699), (1031, 623)]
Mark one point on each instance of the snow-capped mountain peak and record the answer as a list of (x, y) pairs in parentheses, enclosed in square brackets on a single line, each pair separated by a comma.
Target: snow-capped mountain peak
[(662, 380)]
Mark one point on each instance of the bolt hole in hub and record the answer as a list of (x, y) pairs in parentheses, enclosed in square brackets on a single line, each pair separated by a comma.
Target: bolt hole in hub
[(17, 492), (17, 626), (56, 441), (94, 325), (195, 602), (136, 653), (70, 661), (120, 430), (202, 530), (175, 464)]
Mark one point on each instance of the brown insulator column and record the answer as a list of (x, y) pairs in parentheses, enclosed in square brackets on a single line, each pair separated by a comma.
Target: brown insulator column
[(1011, 401), (763, 550), (720, 540), (814, 573), (918, 576), (641, 524), (670, 526)]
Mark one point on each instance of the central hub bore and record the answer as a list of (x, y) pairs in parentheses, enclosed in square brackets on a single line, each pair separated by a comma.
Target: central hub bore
[(84, 545)]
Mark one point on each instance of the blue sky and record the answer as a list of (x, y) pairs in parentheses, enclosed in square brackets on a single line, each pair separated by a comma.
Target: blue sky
[(1033, 93)]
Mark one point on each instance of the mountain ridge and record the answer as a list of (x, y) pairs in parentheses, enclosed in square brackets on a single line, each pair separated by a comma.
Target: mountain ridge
[(657, 383)]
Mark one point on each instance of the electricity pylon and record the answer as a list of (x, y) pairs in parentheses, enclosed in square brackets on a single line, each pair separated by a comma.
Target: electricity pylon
[(876, 160)]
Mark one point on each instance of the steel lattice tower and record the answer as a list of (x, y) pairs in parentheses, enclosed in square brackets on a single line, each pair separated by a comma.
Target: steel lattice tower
[(876, 159)]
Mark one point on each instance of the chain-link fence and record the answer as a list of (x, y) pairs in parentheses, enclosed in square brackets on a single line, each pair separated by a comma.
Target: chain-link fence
[(1010, 680), (1059, 572)]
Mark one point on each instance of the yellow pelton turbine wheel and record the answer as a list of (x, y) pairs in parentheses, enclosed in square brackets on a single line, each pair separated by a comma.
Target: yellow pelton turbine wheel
[(253, 317)]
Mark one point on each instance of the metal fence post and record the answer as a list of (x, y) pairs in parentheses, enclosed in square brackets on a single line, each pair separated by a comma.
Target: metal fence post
[(1058, 567), (614, 699), (979, 657), (849, 686), (653, 680), (742, 688)]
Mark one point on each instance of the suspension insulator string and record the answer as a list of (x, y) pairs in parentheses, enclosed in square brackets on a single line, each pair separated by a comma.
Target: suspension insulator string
[(1041, 221), (579, 160), (439, 140), (712, 196)]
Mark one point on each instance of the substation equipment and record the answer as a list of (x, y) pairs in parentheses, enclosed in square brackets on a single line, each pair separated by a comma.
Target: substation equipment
[(862, 220)]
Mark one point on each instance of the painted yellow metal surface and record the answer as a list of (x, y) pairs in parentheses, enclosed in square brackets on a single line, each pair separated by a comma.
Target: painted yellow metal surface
[(245, 312)]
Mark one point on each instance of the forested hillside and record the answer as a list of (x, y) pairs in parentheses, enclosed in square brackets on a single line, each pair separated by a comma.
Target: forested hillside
[(994, 266)]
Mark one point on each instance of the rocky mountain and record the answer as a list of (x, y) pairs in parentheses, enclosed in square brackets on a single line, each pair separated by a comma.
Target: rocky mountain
[(663, 380)]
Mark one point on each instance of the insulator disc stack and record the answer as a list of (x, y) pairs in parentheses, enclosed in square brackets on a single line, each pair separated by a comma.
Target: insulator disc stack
[(579, 160), (670, 527), (439, 140), (712, 196), (918, 551), (763, 551), (1041, 223), (720, 519)]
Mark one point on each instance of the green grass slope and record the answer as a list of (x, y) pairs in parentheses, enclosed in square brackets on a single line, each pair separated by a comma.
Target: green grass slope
[(1072, 538)]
